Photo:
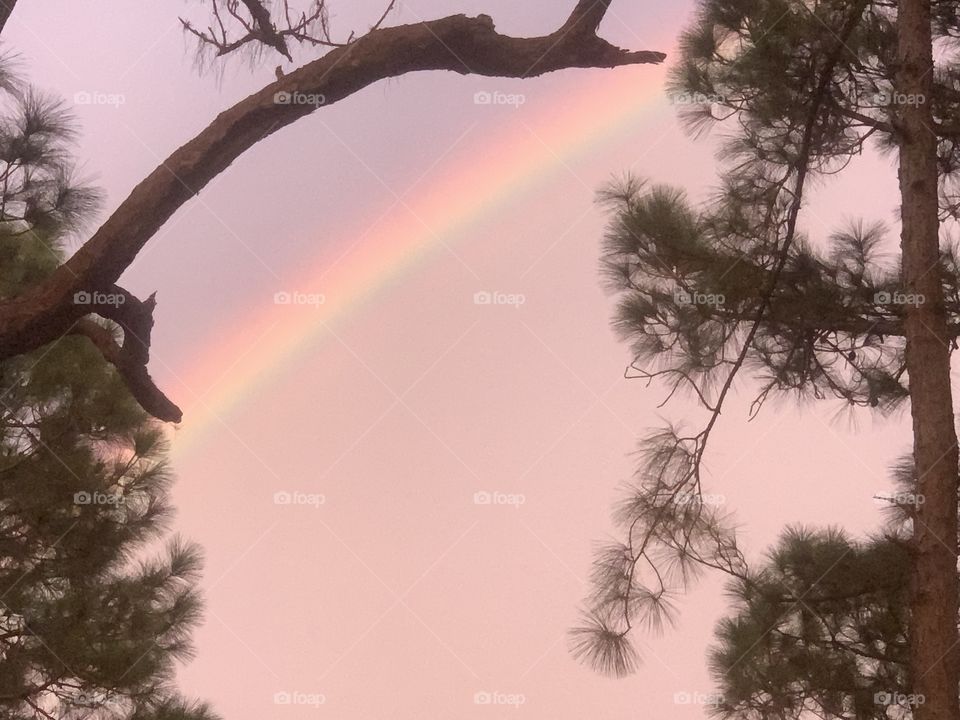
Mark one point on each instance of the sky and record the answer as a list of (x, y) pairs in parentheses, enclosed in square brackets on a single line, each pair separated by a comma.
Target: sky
[(398, 485)]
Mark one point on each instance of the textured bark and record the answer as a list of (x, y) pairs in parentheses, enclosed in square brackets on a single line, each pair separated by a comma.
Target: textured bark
[(934, 589), (457, 43)]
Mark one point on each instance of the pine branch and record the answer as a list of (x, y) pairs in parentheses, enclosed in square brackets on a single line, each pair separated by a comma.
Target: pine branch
[(650, 528)]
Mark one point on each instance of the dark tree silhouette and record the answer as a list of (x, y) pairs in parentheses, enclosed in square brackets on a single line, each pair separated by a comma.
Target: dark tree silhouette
[(85, 632), (733, 287), (819, 630)]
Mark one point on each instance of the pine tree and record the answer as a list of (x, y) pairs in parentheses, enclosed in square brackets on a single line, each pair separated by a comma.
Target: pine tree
[(90, 625), (822, 627), (733, 286)]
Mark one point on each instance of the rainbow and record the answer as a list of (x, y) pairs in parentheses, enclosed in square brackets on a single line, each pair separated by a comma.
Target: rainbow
[(255, 349)]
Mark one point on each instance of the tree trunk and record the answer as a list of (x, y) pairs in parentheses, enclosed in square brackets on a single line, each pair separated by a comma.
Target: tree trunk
[(934, 588)]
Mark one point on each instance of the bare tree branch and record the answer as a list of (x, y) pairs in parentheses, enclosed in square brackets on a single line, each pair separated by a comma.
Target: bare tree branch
[(260, 27), (265, 26), (457, 43)]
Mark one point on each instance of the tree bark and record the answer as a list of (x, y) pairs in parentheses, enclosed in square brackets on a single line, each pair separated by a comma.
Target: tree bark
[(934, 587), (457, 43)]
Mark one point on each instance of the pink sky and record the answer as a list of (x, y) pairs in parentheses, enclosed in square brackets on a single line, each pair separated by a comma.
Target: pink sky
[(399, 596)]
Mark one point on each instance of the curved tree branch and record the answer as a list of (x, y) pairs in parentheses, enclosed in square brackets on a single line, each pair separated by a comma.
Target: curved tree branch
[(457, 43)]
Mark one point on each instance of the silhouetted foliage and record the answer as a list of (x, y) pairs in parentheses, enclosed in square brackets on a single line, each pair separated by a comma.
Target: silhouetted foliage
[(733, 288), (90, 625)]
